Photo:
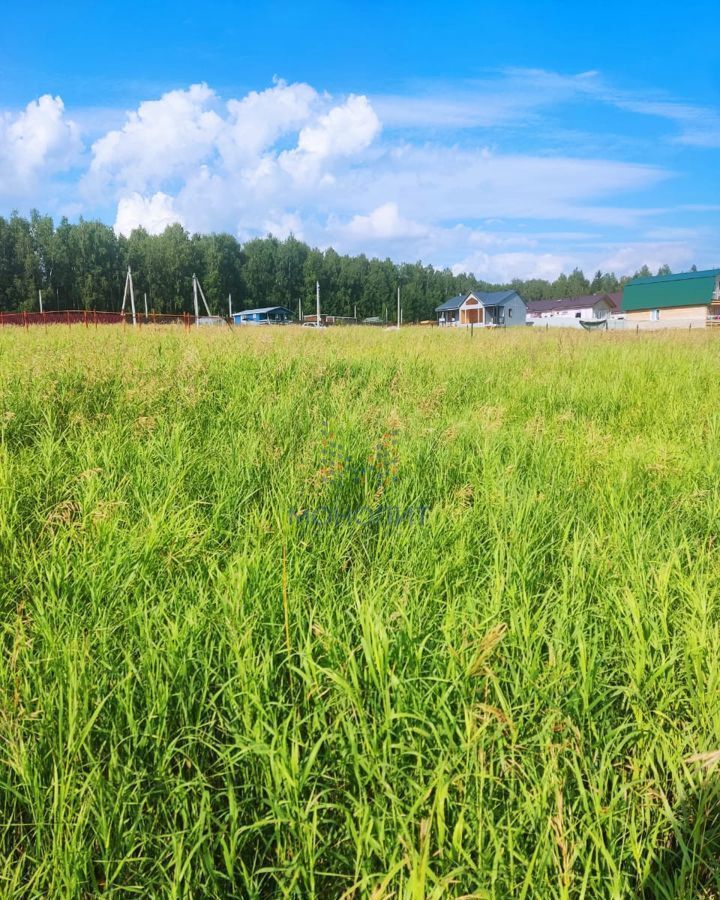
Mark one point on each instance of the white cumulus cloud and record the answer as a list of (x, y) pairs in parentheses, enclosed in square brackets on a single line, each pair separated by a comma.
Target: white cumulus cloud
[(163, 140), (153, 214), (255, 122), (344, 131), (36, 143), (384, 222)]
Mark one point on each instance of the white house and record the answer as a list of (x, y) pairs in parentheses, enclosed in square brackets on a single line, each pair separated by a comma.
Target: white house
[(592, 306), (488, 308)]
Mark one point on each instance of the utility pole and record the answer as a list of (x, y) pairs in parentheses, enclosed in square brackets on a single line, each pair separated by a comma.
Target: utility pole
[(195, 300), (145, 299), (40, 298), (230, 305), (132, 296), (317, 304), (129, 285), (398, 314)]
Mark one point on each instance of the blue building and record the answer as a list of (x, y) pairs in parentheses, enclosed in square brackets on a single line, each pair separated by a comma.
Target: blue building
[(483, 308), (267, 315)]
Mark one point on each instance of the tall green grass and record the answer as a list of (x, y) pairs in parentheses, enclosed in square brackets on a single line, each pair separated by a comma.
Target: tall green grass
[(205, 691)]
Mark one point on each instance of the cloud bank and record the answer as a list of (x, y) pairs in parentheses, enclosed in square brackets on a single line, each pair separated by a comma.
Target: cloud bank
[(367, 174)]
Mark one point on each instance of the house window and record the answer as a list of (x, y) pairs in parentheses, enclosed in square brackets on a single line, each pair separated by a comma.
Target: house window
[(577, 315), (510, 313), (654, 315)]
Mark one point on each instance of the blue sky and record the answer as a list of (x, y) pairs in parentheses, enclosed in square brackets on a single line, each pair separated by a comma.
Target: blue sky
[(515, 139)]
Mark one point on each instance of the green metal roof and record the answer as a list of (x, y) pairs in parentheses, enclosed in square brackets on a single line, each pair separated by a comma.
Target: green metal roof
[(664, 291)]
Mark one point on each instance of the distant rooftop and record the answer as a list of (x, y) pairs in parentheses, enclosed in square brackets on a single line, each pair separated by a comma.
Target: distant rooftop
[(679, 276), (587, 301), (262, 309)]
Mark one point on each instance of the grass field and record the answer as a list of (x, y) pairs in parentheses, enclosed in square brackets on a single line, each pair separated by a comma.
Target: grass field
[(359, 613)]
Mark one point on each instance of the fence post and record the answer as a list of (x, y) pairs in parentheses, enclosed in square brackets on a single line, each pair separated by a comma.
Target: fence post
[(95, 319), (2, 320), (85, 318), (67, 317)]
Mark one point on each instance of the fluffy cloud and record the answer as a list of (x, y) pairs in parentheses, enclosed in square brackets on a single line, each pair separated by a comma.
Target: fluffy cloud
[(284, 224), (384, 222), (228, 164), (153, 214), (165, 139), (503, 267), (35, 144), (262, 117), (631, 257), (344, 131)]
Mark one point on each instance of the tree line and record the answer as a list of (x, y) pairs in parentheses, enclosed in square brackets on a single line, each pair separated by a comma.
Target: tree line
[(82, 266)]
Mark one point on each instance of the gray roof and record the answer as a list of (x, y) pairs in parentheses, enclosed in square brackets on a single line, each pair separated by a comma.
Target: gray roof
[(487, 298), (585, 302), (263, 309), (452, 303)]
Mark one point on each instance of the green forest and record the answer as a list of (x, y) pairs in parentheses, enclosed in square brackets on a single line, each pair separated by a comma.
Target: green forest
[(82, 266)]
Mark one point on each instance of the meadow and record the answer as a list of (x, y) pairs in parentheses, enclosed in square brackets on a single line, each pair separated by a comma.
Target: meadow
[(359, 613)]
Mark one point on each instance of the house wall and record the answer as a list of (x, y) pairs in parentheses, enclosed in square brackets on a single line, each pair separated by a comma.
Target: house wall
[(598, 311), (674, 316), (519, 311), (585, 313), (601, 309), (249, 320)]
